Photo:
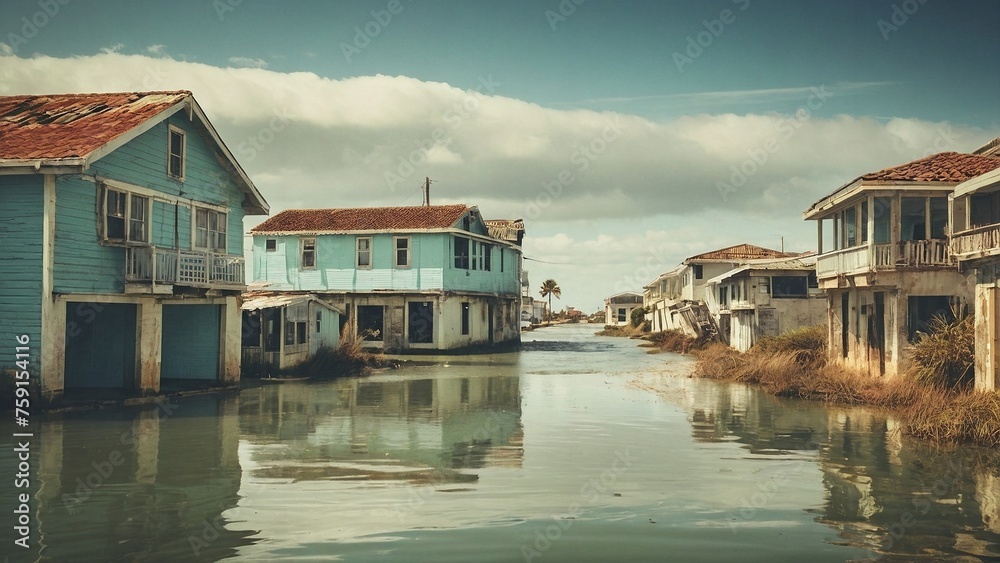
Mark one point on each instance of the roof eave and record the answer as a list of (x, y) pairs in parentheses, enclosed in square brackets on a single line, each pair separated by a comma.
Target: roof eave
[(972, 185)]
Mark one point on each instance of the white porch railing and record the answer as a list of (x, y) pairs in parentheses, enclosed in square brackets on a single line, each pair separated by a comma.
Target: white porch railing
[(183, 267), (976, 243), (885, 256), (843, 261)]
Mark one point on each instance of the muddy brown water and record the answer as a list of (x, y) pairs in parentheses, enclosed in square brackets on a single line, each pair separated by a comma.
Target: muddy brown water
[(576, 448)]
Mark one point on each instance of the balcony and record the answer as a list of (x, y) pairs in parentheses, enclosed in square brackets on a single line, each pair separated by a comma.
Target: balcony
[(980, 242), (148, 264), (932, 253)]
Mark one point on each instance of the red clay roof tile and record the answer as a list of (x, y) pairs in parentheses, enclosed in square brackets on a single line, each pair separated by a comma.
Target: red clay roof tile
[(73, 125), (363, 219), (941, 167), (740, 252)]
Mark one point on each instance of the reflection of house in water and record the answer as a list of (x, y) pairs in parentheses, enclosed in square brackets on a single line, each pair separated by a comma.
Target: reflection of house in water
[(150, 492), (883, 492), (441, 424)]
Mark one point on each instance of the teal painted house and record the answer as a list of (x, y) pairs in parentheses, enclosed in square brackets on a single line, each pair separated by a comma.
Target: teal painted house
[(408, 278), (121, 217)]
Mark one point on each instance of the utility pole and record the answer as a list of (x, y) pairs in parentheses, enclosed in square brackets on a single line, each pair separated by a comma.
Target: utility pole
[(427, 191)]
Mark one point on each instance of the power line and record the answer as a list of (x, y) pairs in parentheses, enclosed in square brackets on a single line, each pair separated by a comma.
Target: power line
[(544, 262)]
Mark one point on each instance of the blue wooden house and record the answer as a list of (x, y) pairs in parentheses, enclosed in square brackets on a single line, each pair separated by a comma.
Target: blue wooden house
[(121, 219), (408, 278)]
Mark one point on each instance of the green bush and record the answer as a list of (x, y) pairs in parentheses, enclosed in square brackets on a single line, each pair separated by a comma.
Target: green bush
[(638, 316)]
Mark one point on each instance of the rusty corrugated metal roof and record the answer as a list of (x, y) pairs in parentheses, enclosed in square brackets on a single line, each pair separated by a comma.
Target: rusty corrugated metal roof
[(60, 126), (363, 219), (739, 252)]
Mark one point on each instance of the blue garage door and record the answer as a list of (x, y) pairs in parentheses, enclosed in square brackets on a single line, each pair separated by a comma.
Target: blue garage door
[(190, 342), (100, 345)]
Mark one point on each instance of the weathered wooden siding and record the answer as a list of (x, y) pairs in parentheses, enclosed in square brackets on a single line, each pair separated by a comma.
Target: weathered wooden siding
[(143, 162), (191, 341), (21, 256), (81, 264)]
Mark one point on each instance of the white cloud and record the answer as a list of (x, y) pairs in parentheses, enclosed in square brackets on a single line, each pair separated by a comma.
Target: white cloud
[(246, 62), (117, 47), (5, 49), (309, 141), (157, 49)]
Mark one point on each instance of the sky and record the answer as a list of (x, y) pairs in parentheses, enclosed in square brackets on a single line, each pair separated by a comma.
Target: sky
[(629, 135)]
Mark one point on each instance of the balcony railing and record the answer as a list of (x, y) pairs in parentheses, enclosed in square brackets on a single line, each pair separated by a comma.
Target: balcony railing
[(183, 267), (932, 253), (976, 243)]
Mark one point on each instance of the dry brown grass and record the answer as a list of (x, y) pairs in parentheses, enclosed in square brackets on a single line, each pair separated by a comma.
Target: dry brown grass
[(677, 342), (925, 411)]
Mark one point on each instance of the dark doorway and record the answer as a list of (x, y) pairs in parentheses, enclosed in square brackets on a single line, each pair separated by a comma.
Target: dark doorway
[(420, 324), (371, 322), (845, 311), (492, 322), (876, 330)]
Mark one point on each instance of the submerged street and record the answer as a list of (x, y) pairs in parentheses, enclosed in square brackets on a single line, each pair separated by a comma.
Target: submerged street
[(575, 448)]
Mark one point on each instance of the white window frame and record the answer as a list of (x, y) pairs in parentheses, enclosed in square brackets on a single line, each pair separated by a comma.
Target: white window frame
[(127, 217), (268, 242), (302, 253), (209, 245), (358, 251), (396, 249), (171, 130)]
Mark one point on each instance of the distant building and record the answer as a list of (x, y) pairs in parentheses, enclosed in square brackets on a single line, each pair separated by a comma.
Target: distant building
[(618, 308), (409, 279), (122, 221), (676, 299), (765, 298), (884, 258)]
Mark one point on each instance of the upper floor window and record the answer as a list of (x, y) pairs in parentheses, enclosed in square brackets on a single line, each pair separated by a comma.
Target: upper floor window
[(209, 229), (126, 216), (308, 251), (175, 153), (270, 245), (487, 256), (402, 252), (364, 252), (699, 271), (923, 218), (462, 253)]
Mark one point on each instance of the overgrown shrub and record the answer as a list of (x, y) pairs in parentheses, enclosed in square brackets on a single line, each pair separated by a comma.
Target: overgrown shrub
[(638, 316), (678, 342), (807, 344), (944, 355)]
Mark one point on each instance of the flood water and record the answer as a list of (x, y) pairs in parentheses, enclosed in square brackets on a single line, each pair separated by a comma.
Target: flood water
[(576, 448)]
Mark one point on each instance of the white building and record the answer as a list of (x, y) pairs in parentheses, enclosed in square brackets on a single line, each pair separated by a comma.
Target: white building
[(618, 308)]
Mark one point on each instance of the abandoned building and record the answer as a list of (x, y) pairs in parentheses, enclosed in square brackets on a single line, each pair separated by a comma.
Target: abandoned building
[(409, 279), (765, 297), (122, 221), (884, 258)]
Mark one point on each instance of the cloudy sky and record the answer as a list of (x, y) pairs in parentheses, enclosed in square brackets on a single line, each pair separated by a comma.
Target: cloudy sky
[(628, 134)]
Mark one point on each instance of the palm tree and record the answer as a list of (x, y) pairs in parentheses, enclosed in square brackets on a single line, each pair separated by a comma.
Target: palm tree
[(550, 288)]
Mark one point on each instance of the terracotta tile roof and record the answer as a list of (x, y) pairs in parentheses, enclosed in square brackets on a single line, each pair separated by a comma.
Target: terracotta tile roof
[(739, 252), (363, 219), (73, 125), (941, 167)]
